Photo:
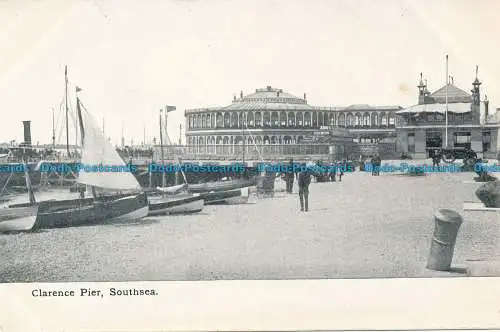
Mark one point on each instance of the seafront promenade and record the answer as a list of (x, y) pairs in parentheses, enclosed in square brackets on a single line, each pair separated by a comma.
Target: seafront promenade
[(363, 227)]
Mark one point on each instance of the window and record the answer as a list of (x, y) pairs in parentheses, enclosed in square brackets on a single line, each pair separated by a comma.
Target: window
[(366, 120), (462, 139), (391, 120), (342, 120), (383, 120)]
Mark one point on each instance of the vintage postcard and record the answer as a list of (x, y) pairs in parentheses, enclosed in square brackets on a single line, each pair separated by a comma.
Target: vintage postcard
[(249, 165)]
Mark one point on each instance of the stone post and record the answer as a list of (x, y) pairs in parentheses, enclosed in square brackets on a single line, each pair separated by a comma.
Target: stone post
[(447, 224)]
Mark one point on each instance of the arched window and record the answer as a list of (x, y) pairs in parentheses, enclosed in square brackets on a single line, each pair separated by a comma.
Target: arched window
[(267, 119), (258, 119), (291, 119), (366, 120), (307, 119), (350, 120), (391, 120), (342, 122), (383, 119), (274, 119), (283, 119), (250, 119), (220, 120)]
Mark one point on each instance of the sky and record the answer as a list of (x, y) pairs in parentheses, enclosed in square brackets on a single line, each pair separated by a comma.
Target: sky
[(131, 58)]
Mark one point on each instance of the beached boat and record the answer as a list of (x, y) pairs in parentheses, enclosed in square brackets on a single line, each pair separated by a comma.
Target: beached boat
[(221, 185), (235, 196), (20, 217), (116, 195), (175, 204)]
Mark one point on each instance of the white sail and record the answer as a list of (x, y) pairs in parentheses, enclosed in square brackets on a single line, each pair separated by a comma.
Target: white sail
[(98, 151)]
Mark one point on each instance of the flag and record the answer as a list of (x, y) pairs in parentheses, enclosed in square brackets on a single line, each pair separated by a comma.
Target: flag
[(78, 89), (170, 108)]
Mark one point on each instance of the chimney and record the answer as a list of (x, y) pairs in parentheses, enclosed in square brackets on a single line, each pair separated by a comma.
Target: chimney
[(305, 97), (27, 132), (234, 97), (486, 108), (278, 93), (269, 88), (241, 94)]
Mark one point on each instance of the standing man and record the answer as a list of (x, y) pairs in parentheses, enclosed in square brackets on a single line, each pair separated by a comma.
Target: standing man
[(304, 182), (289, 177)]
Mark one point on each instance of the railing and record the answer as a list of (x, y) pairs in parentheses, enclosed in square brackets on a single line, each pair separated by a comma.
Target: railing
[(236, 152), (289, 127)]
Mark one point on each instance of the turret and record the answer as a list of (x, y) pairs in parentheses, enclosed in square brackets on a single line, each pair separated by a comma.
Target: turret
[(476, 93), (422, 90)]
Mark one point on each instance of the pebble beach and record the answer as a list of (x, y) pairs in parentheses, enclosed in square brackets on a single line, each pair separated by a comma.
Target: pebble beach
[(363, 227)]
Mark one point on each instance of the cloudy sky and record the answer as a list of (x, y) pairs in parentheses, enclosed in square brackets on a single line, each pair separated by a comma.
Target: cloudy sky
[(132, 57)]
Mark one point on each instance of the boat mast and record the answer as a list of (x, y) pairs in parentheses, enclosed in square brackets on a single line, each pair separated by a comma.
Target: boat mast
[(28, 184), (163, 179), (53, 130), (243, 137), (446, 101), (66, 102), (180, 133)]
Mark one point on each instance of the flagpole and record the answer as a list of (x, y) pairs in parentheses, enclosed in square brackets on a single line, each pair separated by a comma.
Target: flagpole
[(66, 106), (53, 130), (163, 179), (76, 123), (446, 101)]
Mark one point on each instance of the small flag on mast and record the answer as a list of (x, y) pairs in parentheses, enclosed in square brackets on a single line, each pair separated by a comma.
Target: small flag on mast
[(170, 108), (78, 89)]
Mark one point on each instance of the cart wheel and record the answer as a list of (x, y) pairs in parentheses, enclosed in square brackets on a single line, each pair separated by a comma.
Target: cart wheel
[(449, 157)]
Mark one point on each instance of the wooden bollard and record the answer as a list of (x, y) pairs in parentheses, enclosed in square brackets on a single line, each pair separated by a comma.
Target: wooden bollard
[(447, 224)]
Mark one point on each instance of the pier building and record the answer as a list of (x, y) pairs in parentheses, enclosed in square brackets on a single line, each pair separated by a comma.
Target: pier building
[(271, 121), (422, 128)]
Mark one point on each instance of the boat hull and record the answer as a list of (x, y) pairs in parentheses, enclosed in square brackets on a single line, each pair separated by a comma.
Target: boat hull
[(221, 186), (18, 219), (242, 199), (236, 196), (88, 211), (177, 205)]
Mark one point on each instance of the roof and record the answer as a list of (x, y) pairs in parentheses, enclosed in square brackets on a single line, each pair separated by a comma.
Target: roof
[(272, 94), (262, 105), (273, 99), (455, 95), (437, 108)]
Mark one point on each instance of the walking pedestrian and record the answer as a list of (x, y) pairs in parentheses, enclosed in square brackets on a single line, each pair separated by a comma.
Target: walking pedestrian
[(304, 182), (289, 177), (378, 161), (373, 165), (333, 170), (436, 158), (341, 167)]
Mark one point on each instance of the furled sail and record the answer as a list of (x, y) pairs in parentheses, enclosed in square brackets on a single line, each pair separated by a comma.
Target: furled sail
[(102, 166)]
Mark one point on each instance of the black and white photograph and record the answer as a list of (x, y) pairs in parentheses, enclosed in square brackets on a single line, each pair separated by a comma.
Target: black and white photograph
[(248, 140)]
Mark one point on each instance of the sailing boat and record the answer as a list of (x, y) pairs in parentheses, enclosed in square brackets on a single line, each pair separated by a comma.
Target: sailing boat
[(175, 199), (20, 217), (116, 196)]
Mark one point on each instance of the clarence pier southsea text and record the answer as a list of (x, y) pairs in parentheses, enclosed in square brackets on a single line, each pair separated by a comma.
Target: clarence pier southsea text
[(90, 292)]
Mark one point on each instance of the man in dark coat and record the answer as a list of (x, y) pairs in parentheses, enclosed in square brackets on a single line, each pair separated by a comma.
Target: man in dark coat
[(304, 182), (289, 177), (436, 158)]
